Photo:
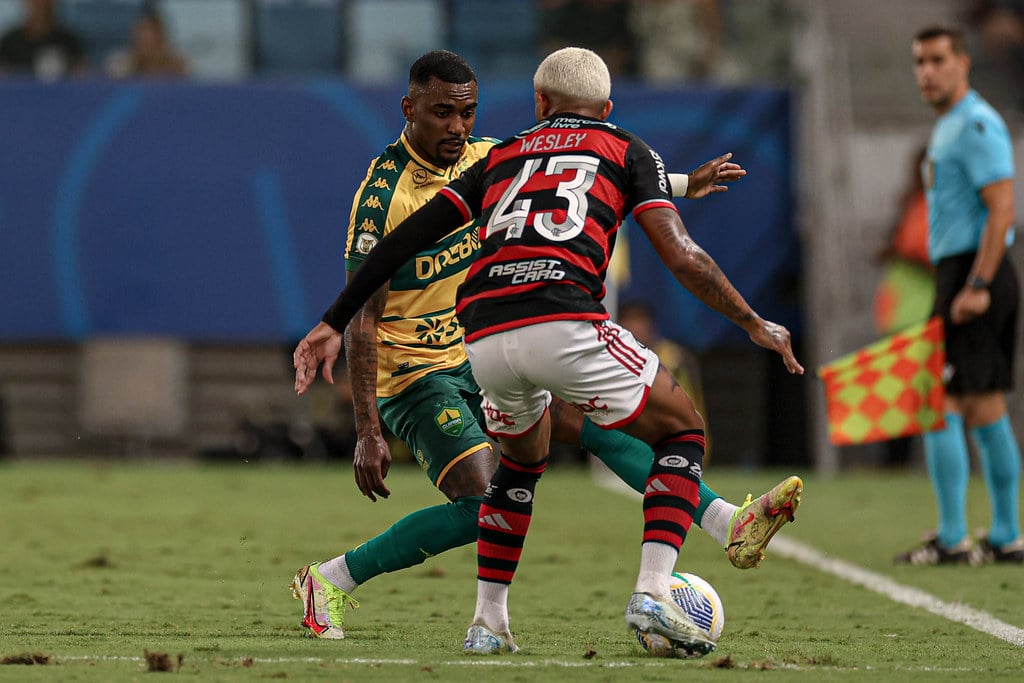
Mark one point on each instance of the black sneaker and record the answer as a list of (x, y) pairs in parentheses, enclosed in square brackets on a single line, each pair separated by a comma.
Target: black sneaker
[(931, 552), (990, 554)]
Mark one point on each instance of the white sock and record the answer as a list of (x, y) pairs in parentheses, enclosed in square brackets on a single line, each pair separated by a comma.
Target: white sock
[(716, 520), (657, 560), (492, 605), (336, 571)]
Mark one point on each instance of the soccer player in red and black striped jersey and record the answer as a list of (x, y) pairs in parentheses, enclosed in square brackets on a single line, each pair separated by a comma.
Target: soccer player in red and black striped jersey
[(550, 201)]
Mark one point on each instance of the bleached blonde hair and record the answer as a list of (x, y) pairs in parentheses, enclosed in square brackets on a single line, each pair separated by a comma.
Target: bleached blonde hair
[(574, 72)]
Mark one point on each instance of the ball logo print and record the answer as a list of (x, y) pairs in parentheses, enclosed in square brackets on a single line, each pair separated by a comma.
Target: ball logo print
[(674, 461), (520, 495)]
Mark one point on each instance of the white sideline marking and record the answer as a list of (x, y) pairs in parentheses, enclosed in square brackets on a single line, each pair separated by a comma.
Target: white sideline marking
[(879, 583), (897, 592)]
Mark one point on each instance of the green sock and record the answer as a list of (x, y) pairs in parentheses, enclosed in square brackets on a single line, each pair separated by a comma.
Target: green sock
[(414, 538), (630, 459)]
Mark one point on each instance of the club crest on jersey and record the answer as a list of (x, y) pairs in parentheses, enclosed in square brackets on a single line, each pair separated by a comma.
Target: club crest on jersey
[(450, 421), (365, 243)]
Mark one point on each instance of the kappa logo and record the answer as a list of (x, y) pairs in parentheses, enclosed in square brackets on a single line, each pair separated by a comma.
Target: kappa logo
[(368, 226), (388, 165), (373, 202), (450, 421), (520, 495), (497, 521), (381, 184)]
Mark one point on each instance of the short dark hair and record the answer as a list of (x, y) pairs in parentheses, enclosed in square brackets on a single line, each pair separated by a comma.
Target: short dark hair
[(444, 65), (955, 35)]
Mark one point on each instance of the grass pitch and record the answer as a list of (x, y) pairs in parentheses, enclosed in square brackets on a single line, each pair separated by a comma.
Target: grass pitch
[(108, 571)]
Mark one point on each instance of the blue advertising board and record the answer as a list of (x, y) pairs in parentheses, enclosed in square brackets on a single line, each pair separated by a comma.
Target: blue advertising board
[(217, 212)]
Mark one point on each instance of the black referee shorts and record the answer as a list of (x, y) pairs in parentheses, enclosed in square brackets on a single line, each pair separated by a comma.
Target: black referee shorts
[(979, 354)]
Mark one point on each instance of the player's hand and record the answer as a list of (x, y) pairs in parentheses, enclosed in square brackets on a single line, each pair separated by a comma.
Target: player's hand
[(321, 345), (773, 336), (969, 304), (706, 178), (371, 463)]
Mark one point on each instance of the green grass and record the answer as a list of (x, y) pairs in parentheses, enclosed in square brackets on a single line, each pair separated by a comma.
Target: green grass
[(101, 563)]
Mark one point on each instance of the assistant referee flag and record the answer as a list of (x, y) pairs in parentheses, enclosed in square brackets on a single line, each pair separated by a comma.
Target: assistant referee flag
[(889, 389)]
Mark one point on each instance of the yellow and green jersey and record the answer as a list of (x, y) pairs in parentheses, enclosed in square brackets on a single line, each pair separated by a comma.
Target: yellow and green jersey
[(418, 332)]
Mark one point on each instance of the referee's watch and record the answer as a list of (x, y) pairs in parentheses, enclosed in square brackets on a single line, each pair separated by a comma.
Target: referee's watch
[(977, 282)]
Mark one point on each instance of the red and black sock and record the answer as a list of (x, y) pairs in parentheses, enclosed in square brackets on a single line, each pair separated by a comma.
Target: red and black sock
[(505, 518), (673, 487)]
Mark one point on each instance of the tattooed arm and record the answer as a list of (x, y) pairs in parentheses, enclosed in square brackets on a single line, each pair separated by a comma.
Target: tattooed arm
[(372, 458), (699, 273)]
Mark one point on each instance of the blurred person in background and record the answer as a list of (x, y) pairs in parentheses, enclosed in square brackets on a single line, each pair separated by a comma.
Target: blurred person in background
[(676, 40), (1001, 26), (638, 318), (40, 45), (599, 25), (968, 180), (150, 53), (409, 368)]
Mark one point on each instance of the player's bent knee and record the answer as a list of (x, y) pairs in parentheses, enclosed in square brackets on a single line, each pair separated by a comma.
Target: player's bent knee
[(468, 511)]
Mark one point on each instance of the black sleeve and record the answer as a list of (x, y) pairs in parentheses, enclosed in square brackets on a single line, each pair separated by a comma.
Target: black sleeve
[(431, 222)]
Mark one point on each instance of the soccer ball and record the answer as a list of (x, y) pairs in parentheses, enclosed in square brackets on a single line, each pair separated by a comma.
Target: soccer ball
[(701, 602)]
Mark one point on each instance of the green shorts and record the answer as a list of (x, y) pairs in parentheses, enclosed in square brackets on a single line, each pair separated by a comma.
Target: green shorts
[(439, 417)]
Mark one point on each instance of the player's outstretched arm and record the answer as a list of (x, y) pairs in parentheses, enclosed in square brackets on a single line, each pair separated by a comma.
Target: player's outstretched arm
[(322, 344), (423, 227), (707, 178), (698, 272)]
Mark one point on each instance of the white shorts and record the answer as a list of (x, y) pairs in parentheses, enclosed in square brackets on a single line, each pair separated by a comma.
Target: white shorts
[(595, 365)]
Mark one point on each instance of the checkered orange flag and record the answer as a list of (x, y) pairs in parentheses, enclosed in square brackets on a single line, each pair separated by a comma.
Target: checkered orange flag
[(888, 389)]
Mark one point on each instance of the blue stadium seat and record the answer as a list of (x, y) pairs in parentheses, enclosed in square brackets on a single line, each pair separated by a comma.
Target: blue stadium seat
[(214, 35), (497, 37), (298, 36), (10, 14), (386, 36), (104, 25)]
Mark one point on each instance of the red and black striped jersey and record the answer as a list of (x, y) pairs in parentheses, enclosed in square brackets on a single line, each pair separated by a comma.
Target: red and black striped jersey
[(551, 200)]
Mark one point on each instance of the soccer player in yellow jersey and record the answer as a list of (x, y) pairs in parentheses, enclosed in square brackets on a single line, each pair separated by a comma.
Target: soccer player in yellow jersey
[(408, 365)]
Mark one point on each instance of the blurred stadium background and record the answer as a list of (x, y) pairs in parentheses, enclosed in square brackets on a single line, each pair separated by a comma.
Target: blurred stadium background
[(164, 243)]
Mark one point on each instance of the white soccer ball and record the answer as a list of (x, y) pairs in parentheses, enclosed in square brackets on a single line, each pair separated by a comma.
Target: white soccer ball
[(701, 603)]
